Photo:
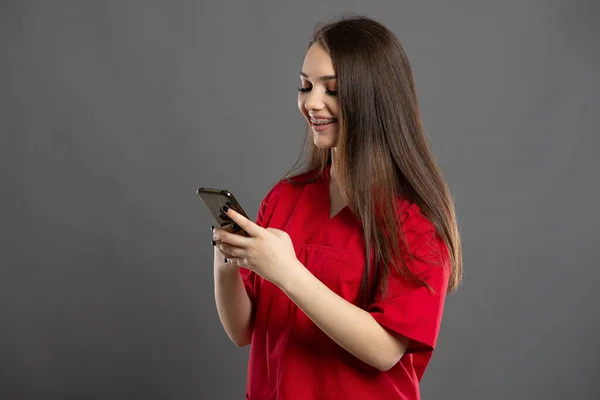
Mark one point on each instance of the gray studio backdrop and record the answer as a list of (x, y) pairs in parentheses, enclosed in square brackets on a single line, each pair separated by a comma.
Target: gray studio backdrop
[(114, 113)]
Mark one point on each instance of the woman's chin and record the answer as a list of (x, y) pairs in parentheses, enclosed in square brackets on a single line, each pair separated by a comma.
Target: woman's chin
[(324, 144), (326, 141)]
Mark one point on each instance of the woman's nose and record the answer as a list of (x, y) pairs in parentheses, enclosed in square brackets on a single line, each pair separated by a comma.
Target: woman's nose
[(313, 101)]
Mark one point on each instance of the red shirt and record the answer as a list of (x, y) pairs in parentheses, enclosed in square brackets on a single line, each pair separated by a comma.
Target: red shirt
[(290, 357)]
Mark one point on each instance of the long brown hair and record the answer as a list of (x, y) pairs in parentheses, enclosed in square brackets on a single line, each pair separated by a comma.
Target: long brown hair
[(381, 150)]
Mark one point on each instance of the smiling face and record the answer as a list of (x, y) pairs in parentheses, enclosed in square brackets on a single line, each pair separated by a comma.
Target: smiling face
[(317, 98)]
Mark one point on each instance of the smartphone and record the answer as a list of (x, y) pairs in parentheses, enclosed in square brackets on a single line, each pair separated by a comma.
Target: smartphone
[(214, 200)]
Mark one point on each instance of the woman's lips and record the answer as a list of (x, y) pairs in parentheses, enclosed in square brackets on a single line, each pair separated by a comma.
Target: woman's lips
[(322, 127)]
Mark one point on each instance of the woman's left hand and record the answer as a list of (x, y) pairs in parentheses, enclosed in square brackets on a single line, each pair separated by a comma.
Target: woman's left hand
[(268, 252)]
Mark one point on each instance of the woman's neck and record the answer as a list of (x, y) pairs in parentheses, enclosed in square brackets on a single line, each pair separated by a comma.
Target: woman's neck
[(332, 171)]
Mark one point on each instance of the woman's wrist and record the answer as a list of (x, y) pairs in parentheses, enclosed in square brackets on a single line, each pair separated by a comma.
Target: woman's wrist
[(226, 271), (291, 276)]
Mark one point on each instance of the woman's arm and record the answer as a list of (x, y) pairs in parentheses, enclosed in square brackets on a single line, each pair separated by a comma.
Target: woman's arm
[(233, 306), (233, 303), (349, 326), (270, 253)]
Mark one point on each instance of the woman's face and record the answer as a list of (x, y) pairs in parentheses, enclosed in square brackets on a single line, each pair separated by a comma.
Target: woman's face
[(317, 98)]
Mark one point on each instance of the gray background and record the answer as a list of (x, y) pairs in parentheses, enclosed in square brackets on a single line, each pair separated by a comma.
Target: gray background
[(114, 113)]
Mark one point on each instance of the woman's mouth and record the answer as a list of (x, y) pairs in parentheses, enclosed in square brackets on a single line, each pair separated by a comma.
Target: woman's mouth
[(321, 124)]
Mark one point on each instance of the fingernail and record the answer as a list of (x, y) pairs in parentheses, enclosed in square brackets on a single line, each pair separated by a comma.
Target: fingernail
[(225, 217), (235, 227), (224, 260), (212, 228), (225, 209), (213, 242)]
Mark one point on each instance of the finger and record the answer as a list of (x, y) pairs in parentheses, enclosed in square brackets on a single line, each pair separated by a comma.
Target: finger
[(235, 228), (217, 233), (236, 261), (233, 250), (235, 239), (231, 228), (217, 244), (250, 227)]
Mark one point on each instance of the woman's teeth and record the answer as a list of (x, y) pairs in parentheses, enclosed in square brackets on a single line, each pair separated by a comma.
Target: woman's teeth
[(322, 121)]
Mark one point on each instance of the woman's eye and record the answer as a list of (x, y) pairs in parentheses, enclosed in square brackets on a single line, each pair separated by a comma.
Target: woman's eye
[(308, 89)]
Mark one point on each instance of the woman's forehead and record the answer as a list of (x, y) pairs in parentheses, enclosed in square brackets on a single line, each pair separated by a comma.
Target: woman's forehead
[(317, 63)]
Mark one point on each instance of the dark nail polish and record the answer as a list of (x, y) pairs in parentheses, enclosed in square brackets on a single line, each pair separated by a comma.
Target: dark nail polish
[(225, 209), (212, 228), (213, 242), (235, 227), (224, 217)]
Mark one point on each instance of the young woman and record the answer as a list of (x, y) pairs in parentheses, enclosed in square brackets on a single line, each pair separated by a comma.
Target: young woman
[(339, 286)]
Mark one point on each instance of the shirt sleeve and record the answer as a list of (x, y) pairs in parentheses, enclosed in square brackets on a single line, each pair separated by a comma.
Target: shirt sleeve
[(410, 309)]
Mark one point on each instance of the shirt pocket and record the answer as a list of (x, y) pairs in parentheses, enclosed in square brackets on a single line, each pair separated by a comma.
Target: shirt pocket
[(338, 268)]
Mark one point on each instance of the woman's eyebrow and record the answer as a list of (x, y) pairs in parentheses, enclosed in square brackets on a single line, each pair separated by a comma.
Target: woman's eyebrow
[(321, 78)]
